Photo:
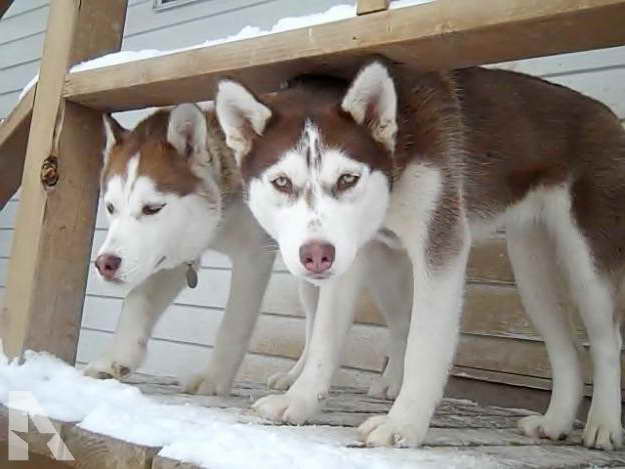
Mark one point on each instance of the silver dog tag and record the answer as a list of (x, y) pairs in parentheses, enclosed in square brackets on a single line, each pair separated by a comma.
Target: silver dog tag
[(191, 277)]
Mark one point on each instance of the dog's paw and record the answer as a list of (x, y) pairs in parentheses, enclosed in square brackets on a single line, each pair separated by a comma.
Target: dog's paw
[(291, 408), (385, 387), (207, 384), (382, 430), (544, 426), (603, 433), (107, 369), (281, 381)]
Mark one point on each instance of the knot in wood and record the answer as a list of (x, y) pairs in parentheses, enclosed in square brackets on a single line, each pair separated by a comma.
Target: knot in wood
[(50, 172)]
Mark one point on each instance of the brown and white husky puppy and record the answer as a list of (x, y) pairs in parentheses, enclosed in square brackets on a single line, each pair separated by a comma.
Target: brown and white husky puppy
[(172, 190), (440, 159)]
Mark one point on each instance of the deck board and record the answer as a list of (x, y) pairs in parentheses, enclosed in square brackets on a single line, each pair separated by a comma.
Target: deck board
[(459, 426)]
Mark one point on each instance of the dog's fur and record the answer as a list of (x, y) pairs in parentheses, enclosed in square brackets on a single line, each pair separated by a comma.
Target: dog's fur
[(178, 157), (441, 159)]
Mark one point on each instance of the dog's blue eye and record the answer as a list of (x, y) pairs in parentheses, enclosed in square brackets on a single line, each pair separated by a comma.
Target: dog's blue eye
[(152, 209), (346, 181), (283, 184)]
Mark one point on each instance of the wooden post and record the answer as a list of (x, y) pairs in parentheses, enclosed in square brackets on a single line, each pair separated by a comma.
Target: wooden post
[(371, 6), (55, 222)]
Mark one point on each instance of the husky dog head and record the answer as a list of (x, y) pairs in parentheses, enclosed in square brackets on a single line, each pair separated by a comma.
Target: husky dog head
[(316, 163), (161, 194)]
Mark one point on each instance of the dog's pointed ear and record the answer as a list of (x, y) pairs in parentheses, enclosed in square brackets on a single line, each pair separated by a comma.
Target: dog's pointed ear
[(113, 133), (371, 100), (242, 117), (187, 131)]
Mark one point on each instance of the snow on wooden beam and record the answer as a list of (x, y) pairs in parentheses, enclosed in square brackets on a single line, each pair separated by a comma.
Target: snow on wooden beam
[(438, 35), (13, 141)]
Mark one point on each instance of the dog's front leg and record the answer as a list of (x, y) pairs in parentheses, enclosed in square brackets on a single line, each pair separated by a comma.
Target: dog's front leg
[(142, 307), (432, 338), (309, 298), (250, 276), (331, 323)]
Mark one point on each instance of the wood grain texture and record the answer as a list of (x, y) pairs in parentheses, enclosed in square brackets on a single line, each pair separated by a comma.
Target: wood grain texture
[(96, 451), (13, 141), (364, 7), (49, 257), (441, 34)]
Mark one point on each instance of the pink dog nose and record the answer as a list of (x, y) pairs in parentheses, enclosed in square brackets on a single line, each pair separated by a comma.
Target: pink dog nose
[(316, 256), (108, 265)]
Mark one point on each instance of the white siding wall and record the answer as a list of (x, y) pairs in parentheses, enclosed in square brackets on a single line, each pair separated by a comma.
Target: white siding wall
[(183, 338)]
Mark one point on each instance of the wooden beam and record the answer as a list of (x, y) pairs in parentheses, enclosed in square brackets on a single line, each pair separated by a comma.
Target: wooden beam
[(364, 7), (55, 221), (4, 6), (439, 35), (13, 141)]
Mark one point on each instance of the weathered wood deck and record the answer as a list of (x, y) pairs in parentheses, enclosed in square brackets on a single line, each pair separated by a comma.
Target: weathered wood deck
[(459, 427)]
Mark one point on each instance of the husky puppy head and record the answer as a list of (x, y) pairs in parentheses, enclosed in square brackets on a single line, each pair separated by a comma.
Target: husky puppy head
[(161, 194), (316, 161)]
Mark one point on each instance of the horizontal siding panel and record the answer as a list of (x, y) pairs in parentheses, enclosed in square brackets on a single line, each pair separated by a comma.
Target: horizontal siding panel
[(274, 335), (19, 52), (605, 86), (365, 345), (23, 23), (6, 237), (4, 270), (21, 7), (202, 21), (568, 63), (179, 359), (14, 79), (143, 19), (8, 102), (8, 214)]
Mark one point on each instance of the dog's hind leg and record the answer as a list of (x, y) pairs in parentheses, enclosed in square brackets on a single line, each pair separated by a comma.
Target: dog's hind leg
[(539, 282), (142, 308), (595, 297), (250, 277), (309, 297), (389, 279)]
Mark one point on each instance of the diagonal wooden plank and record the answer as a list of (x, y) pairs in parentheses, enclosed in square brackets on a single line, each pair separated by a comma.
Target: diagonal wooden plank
[(50, 252), (439, 35), (13, 140)]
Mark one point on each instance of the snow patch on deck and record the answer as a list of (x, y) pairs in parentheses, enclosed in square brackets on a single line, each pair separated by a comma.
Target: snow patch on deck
[(217, 438)]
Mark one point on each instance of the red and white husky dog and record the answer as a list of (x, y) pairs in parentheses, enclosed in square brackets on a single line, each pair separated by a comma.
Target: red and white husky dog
[(440, 159), (172, 190)]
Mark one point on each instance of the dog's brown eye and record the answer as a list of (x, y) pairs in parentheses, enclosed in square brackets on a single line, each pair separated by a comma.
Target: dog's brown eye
[(283, 184), (110, 208), (152, 209), (346, 181)]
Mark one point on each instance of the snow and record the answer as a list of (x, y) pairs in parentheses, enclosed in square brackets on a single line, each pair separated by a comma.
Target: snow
[(215, 438), (334, 13)]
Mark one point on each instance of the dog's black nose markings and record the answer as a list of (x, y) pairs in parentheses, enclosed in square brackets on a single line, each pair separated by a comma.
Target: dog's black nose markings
[(317, 256), (108, 265)]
